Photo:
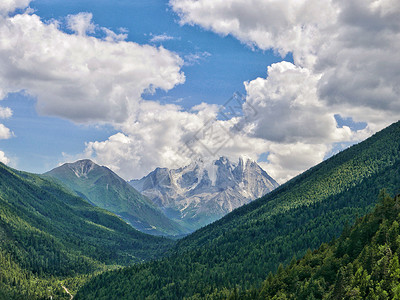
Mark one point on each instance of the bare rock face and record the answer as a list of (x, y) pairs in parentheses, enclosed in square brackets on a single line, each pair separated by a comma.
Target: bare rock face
[(203, 192)]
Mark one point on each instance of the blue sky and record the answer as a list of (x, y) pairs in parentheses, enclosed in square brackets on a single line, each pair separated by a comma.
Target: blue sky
[(223, 65), (77, 81)]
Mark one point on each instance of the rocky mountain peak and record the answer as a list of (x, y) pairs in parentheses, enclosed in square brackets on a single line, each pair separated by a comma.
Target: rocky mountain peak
[(205, 190)]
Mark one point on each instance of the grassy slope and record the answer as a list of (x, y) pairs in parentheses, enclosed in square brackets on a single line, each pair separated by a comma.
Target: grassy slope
[(241, 248)]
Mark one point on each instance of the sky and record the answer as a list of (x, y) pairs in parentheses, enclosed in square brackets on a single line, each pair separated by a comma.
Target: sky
[(136, 85)]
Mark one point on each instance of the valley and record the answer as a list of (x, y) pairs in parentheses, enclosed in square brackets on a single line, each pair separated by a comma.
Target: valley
[(200, 150), (239, 250), (231, 255)]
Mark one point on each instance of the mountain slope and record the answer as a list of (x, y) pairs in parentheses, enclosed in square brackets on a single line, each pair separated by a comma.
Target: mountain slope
[(241, 248), (203, 192), (362, 264), (47, 234), (103, 188)]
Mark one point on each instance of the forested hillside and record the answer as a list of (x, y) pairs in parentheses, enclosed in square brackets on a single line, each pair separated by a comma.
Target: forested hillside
[(48, 236), (362, 264), (242, 248)]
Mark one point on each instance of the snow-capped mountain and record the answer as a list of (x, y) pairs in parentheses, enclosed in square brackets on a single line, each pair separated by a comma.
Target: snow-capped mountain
[(203, 192)]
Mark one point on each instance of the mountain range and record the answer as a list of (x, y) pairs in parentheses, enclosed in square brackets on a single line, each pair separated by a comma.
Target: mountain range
[(205, 191), (235, 253), (103, 188), (51, 239)]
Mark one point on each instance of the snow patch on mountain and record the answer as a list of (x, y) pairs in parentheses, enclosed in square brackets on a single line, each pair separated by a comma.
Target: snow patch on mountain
[(204, 191)]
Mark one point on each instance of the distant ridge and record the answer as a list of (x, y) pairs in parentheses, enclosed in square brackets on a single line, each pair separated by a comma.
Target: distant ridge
[(103, 188)]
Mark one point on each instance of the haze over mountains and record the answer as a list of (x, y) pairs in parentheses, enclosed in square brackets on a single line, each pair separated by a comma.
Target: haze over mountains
[(205, 191)]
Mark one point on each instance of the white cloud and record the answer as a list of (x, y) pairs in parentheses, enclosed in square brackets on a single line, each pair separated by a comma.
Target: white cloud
[(282, 115), (5, 133), (288, 160), (345, 58), (5, 112), (360, 66), (285, 26), (111, 36), (352, 45), (195, 58), (155, 136), (86, 79), (3, 158), (166, 136), (288, 108), (345, 62), (8, 6), (78, 77), (81, 23), (161, 38)]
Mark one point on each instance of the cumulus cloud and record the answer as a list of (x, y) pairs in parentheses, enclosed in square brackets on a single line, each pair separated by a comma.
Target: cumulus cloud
[(157, 135), (81, 23), (351, 45), (167, 136), (111, 36), (359, 66), (286, 26), (3, 158), (288, 107), (345, 63), (5, 112), (80, 77), (287, 160), (9, 6), (5, 133)]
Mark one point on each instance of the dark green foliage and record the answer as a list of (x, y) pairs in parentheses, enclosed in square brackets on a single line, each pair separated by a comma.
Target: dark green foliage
[(239, 250), (362, 264), (46, 232)]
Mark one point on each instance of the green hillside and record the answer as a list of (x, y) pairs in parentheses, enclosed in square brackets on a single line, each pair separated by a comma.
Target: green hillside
[(242, 248), (103, 188), (362, 264), (48, 236)]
